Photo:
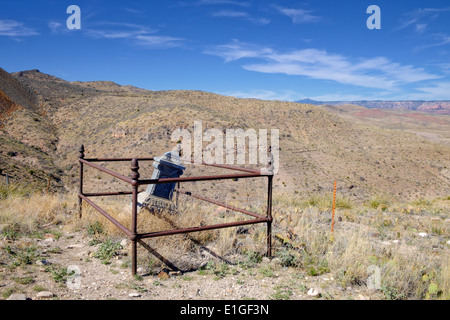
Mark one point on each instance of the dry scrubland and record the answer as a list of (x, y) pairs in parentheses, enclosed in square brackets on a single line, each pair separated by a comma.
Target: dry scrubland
[(392, 170), (306, 255)]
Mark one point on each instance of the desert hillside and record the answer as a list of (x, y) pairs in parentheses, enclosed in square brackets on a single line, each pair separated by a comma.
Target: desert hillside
[(433, 107), (392, 169), (317, 145)]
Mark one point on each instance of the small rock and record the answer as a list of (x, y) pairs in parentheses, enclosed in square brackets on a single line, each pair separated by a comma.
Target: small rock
[(265, 260), (134, 295), (49, 240), (275, 261), (313, 293), (73, 246), (41, 243), (17, 296), (43, 263), (140, 270), (163, 275), (175, 273), (448, 242), (423, 234), (44, 295), (124, 243), (83, 254), (396, 241)]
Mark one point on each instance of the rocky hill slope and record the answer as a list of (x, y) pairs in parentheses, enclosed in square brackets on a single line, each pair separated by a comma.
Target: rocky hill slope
[(317, 145), (435, 107)]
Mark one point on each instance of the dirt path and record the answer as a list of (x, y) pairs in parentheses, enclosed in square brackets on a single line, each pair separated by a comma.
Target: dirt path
[(44, 277)]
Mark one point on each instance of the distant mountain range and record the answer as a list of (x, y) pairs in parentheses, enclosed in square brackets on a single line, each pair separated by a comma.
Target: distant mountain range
[(436, 107), (44, 119)]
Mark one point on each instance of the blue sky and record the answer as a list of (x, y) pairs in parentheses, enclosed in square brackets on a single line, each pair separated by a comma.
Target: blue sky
[(285, 50)]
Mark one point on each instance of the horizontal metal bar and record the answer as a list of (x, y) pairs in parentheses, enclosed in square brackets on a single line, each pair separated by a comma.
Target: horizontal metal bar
[(200, 178), (117, 159), (110, 172), (106, 215), (225, 166), (101, 194), (222, 204), (196, 229)]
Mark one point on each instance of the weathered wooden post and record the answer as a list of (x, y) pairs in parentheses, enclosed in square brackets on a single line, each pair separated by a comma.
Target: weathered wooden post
[(134, 184), (80, 191)]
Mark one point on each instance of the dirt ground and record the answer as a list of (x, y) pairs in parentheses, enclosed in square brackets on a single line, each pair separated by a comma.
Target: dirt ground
[(43, 277)]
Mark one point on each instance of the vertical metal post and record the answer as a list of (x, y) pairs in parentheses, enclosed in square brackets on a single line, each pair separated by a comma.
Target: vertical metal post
[(177, 194), (80, 191), (48, 183), (269, 216), (135, 184)]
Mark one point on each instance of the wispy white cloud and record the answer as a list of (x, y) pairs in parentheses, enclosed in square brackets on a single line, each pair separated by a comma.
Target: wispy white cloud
[(136, 34), (15, 29), (439, 39), (222, 2), (283, 95), (134, 11), (299, 15), (421, 27), (378, 72), (241, 15), (156, 41), (437, 91), (55, 26), (415, 17)]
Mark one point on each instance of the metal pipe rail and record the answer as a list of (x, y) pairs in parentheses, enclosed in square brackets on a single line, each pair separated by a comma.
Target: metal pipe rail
[(135, 182)]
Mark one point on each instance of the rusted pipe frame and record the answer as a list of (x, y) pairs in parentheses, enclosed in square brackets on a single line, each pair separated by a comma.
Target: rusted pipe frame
[(135, 182), (106, 215), (110, 172), (224, 166), (117, 159), (251, 173), (118, 193), (255, 215), (196, 229), (200, 178)]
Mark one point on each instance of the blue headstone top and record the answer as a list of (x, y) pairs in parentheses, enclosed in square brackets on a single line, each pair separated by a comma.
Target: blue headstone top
[(167, 166)]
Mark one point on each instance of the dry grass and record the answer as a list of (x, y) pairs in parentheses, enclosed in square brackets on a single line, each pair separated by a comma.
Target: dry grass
[(413, 268)]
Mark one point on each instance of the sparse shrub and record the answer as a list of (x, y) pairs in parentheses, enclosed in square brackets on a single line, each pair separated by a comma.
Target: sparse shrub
[(252, 259), (15, 189), (281, 293), (59, 273), (286, 258), (392, 293), (107, 250), (95, 228)]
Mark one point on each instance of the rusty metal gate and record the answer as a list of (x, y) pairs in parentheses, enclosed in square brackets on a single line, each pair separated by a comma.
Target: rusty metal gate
[(135, 181)]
